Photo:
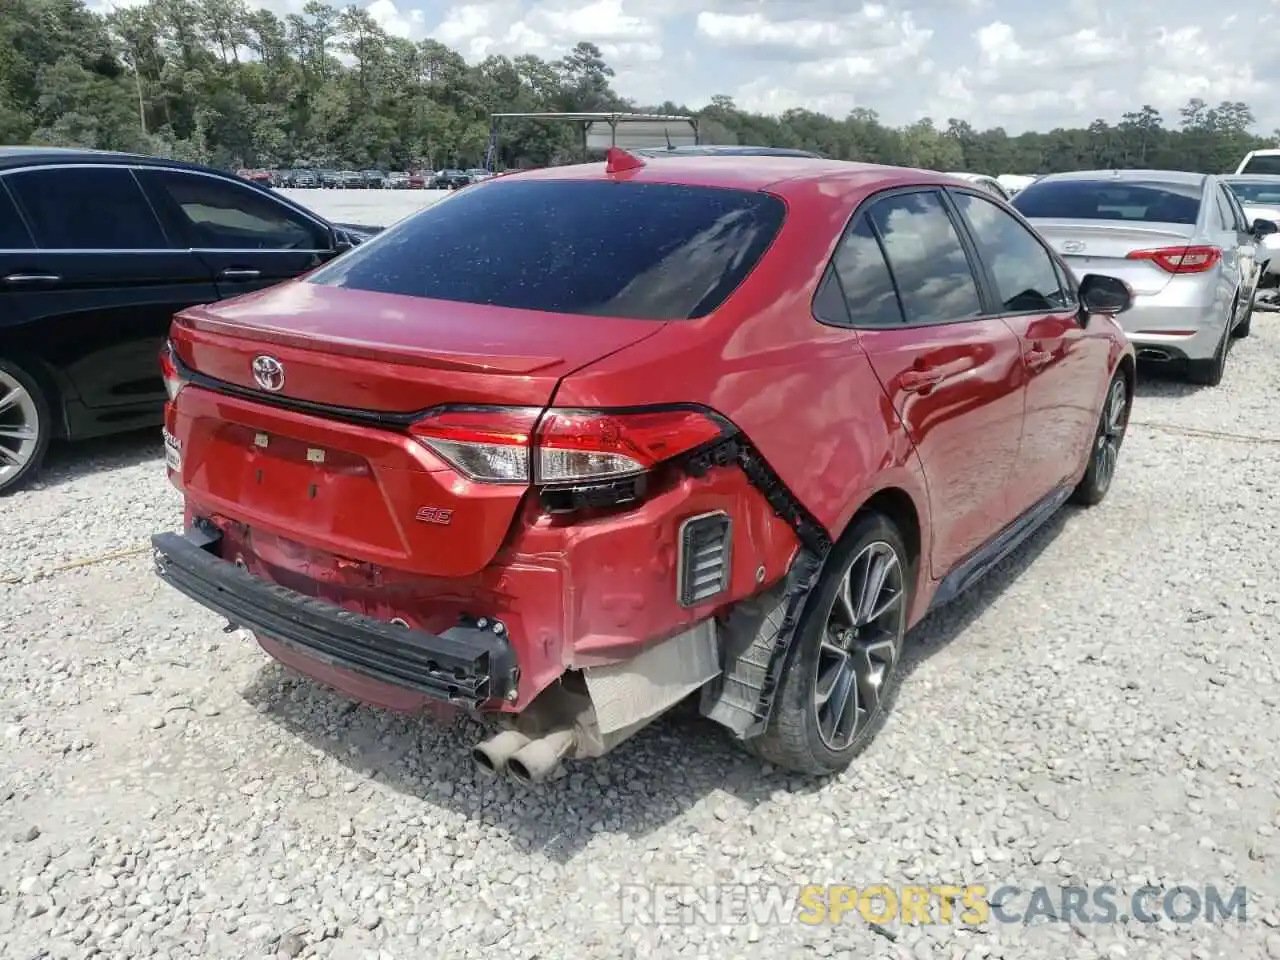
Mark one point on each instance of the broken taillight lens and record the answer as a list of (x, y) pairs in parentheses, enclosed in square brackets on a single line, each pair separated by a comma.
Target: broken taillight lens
[(173, 380), (512, 445)]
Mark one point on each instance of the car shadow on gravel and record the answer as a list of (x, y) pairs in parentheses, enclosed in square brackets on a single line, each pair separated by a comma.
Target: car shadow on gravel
[(67, 462), (638, 789), (1161, 384)]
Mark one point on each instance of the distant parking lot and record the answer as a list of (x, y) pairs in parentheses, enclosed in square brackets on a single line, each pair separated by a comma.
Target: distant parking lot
[(374, 208)]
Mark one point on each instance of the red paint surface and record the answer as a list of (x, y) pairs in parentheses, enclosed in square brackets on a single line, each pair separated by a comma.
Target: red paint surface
[(834, 411)]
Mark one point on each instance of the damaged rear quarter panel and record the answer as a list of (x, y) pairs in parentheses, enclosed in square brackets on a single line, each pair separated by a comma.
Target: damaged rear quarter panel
[(802, 393)]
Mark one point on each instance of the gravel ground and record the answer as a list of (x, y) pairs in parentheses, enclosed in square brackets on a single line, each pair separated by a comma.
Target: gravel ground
[(1102, 710)]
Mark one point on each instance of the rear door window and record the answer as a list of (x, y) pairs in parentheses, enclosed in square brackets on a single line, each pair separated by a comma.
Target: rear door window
[(865, 280), (13, 233), (927, 258), (639, 250), (1236, 212), (1136, 200), (87, 208), (1022, 268), (217, 214)]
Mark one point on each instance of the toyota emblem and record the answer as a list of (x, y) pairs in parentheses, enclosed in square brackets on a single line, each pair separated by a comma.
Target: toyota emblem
[(269, 373), (1073, 246)]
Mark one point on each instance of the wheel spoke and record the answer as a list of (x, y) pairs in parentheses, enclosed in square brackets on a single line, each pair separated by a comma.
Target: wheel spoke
[(863, 633), (20, 432), (879, 566), (873, 662), (10, 398), (12, 458), (836, 661), (844, 602), (841, 719)]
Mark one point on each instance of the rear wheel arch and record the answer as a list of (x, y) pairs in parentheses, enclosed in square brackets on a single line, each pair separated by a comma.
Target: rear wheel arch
[(898, 507)]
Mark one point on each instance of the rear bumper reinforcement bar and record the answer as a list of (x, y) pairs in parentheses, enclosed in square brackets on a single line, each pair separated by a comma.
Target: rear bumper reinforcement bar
[(463, 665)]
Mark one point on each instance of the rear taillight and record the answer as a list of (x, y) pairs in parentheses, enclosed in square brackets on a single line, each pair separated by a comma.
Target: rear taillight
[(512, 445), (491, 444), (173, 380), (1180, 259)]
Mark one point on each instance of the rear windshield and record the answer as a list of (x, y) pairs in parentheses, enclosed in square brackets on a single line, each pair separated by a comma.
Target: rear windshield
[(1258, 191), (1138, 200), (1266, 164), (649, 251)]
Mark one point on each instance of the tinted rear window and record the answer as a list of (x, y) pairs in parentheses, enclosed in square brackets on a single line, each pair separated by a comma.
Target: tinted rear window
[(1269, 164), (1137, 200), (651, 251)]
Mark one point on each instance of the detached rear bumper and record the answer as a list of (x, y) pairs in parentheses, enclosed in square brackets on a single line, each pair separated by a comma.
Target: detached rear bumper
[(463, 666)]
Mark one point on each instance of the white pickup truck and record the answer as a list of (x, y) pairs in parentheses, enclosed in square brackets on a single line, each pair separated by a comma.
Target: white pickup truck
[(1256, 185)]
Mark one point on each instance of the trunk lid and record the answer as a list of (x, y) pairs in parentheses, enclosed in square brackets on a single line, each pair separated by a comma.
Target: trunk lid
[(349, 485), (1102, 246), (394, 354)]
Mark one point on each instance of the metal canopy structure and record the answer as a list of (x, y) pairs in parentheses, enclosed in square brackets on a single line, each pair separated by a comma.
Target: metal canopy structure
[(600, 131)]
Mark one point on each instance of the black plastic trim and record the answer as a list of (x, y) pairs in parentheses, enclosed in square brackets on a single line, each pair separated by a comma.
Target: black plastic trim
[(465, 666), (970, 570)]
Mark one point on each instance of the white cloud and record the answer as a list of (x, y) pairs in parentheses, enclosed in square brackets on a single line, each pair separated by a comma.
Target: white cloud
[(991, 62), (388, 16)]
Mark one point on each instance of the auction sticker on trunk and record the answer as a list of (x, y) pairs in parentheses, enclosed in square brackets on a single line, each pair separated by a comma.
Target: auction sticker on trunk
[(172, 452)]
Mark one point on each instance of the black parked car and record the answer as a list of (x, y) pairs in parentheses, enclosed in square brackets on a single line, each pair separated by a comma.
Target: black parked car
[(97, 252), (450, 180)]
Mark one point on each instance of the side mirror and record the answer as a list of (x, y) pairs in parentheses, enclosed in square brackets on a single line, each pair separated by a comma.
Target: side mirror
[(1264, 228), (340, 240), (1105, 295)]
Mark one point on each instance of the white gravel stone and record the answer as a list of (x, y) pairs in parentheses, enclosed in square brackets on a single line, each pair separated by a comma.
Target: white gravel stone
[(1061, 724)]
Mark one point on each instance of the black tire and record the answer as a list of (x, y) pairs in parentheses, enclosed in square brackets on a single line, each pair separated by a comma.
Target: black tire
[(793, 740), (1111, 428), (1209, 373), (44, 427)]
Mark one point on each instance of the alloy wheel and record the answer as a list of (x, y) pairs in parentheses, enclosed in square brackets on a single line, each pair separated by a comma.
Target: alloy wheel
[(861, 639), (1110, 434), (19, 427)]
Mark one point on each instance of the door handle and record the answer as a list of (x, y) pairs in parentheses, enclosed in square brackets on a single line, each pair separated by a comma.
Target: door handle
[(238, 273), (1037, 358), (920, 381), (32, 278)]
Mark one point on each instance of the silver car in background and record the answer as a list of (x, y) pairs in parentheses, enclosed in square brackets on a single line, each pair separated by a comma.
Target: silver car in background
[(1259, 195), (1181, 242), (982, 181)]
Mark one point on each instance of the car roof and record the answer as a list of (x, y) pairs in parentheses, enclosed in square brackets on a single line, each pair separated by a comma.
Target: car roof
[(743, 172), (1120, 176), (1241, 177), (11, 157)]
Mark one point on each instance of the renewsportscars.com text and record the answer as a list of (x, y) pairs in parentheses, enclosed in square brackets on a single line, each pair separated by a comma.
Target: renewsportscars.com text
[(967, 905)]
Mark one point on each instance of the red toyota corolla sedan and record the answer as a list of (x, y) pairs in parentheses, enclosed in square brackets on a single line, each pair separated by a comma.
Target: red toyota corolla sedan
[(585, 441)]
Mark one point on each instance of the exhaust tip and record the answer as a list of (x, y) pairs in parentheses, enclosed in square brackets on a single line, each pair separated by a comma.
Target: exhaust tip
[(484, 763), (519, 772)]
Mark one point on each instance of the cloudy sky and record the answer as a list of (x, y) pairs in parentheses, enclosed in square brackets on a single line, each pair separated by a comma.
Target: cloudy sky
[(1015, 63)]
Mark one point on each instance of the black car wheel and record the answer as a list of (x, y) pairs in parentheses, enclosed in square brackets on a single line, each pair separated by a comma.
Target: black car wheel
[(844, 665), (24, 426), (1113, 422)]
